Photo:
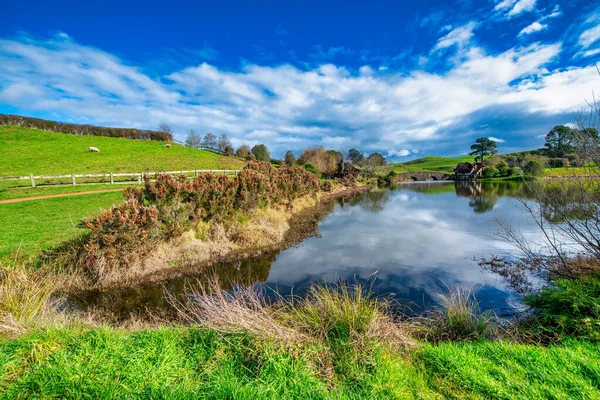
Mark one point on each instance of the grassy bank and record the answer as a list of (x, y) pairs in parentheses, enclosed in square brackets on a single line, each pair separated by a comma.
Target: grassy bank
[(337, 343), (180, 363), (31, 151)]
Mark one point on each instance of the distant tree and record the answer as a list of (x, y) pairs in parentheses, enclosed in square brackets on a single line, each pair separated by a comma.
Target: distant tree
[(261, 152), (560, 141), (483, 147), (534, 168), (229, 151), (324, 161), (354, 156), (165, 128), (376, 160), (223, 142), (193, 140), (243, 151), (210, 140), (289, 158), (339, 160)]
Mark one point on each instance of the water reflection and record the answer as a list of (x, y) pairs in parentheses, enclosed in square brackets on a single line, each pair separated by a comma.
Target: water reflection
[(417, 238)]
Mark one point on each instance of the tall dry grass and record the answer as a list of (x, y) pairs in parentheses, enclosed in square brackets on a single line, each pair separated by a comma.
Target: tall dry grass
[(342, 313), (25, 298)]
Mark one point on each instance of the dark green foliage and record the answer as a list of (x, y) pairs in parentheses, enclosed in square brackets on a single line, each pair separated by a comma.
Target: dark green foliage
[(483, 147), (560, 141), (355, 156), (502, 168), (489, 172), (76, 129), (311, 168), (534, 168), (376, 160), (567, 308), (289, 158), (261, 152), (558, 162)]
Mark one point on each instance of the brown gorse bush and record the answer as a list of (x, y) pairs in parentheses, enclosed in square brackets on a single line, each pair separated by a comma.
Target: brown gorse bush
[(170, 205)]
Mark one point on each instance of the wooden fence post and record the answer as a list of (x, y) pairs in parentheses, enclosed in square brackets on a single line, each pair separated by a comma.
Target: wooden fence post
[(32, 180), (73, 179), (111, 179)]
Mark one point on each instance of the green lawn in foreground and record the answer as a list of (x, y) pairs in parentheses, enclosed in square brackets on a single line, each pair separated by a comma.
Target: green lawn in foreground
[(182, 363), (30, 151), (39, 224), (430, 164)]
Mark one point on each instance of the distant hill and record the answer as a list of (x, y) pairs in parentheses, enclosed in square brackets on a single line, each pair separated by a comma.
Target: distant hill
[(27, 151), (430, 164)]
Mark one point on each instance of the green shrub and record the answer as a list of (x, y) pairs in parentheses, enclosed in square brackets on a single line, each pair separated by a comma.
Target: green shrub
[(311, 168), (534, 168), (502, 168), (567, 308), (558, 162), (489, 172), (514, 171)]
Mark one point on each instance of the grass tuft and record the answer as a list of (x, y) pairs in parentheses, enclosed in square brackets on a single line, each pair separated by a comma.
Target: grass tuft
[(458, 318)]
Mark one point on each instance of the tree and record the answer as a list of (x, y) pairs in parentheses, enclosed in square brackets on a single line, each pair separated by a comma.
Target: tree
[(322, 160), (483, 147), (243, 151), (560, 141), (223, 142), (354, 156), (210, 140), (193, 140), (289, 158), (534, 168), (376, 160), (261, 152), (165, 128), (229, 151)]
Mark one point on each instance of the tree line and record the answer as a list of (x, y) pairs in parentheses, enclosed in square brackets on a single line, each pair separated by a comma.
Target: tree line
[(84, 129)]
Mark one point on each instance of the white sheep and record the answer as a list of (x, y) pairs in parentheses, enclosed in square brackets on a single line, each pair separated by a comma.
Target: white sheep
[(168, 146), (94, 149)]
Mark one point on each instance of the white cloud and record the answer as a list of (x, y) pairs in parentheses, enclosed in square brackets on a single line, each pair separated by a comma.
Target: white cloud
[(504, 4), (495, 139), (398, 153), (460, 37), (534, 27), (589, 36), (520, 7), (284, 106)]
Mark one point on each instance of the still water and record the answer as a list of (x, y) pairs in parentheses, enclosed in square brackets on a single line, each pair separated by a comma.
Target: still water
[(410, 242)]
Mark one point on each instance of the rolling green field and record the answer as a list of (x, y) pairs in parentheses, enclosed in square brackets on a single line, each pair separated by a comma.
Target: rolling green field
[(430, 164), (31, 151), (35, 225), (182, 363)]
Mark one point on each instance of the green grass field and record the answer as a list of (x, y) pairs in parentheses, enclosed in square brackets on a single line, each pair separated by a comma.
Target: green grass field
[(182, 363), (430, 164), (31, 151), (31, 226)]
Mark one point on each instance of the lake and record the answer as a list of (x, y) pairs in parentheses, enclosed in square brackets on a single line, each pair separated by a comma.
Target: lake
[(410, 242)]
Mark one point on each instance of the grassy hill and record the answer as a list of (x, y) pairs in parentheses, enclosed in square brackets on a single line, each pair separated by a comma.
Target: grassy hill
[(30, 151), (430, 164)]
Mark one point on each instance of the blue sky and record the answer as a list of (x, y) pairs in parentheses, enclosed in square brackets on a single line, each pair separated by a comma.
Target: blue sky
[(406, 79)]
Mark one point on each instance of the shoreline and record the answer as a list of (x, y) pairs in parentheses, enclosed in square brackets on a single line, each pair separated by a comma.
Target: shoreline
[(302, 225)]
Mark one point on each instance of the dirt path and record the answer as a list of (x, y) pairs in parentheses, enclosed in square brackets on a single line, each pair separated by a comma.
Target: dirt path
[(51, 196)]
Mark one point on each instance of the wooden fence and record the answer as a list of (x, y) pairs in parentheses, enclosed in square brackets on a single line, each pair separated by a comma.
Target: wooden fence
[(110, 177)]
